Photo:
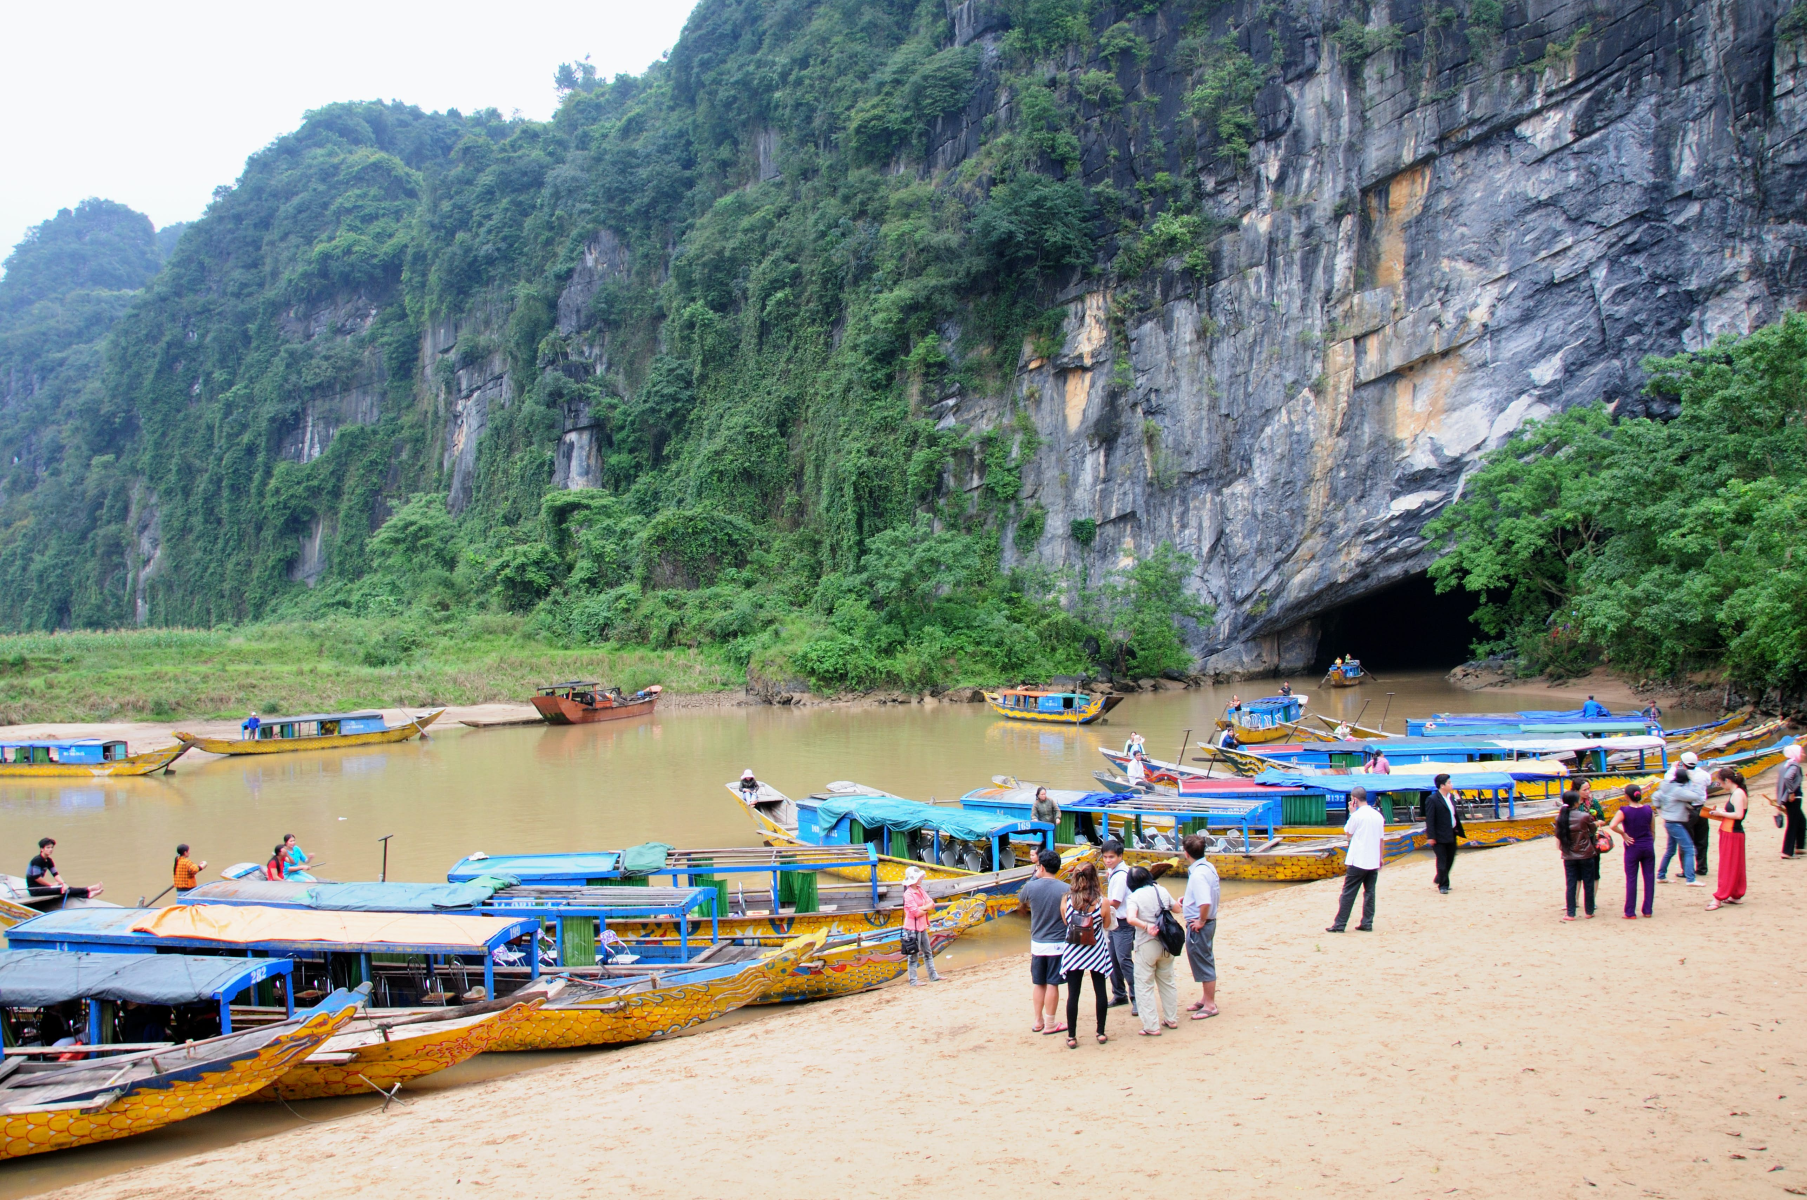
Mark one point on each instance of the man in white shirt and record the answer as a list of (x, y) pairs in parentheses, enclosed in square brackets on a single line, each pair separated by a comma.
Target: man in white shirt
[(1361, 862), (1198, 912), (1123, 937)]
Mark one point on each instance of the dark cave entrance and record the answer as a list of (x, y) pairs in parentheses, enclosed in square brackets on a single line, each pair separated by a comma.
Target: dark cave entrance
[(1404, 626)]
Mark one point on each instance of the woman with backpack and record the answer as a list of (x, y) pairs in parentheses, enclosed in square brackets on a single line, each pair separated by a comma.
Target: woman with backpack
[(1088, 948), (1153, 955)]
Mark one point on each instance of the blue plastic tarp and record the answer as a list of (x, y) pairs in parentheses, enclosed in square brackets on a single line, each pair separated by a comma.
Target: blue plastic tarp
[(404, 897), (893, 813), (34, 978), (536, 868)]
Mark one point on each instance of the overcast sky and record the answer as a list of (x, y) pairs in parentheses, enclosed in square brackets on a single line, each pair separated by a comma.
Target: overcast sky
[(154, 104)]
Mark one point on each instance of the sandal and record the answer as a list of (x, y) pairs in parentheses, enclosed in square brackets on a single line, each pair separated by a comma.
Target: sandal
[(1149, 1032), (1056, 1029), (1035, 1029), (1202, 1015), (1102, 1039), (1195, 1006), (1170, 1024), (1711, 905), (1072, 1043)]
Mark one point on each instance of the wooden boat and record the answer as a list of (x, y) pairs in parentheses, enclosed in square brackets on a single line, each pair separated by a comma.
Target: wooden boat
[(862, 961), (82, 758), (1346, 674), (376, 1052), (53, 1106), (580, 703), (317, 731), (1264, 719), (1049, 707), (579, 1013)]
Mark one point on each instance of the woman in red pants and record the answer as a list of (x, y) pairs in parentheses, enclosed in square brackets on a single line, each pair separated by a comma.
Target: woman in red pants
[(1730, 815)]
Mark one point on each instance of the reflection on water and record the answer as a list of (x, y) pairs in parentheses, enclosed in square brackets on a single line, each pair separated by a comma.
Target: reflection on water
[(534, 788)]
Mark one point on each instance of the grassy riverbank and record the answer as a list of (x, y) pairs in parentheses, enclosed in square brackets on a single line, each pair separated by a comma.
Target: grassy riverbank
[(164, 674)]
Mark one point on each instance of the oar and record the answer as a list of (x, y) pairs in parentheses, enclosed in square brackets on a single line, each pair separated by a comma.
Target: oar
[(166, 891), (1184, 739)]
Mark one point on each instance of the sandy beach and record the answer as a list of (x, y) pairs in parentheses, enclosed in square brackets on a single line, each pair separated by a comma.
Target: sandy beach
[(1473, 1045)]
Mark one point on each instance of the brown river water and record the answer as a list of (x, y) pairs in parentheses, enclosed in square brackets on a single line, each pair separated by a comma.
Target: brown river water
[(535, 789)]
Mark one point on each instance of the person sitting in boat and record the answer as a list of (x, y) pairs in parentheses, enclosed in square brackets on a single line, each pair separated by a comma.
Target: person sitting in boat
[(1378, 764), (1650, 712), (1593, 708), (1227, 740), (273, 869), (1137, 769), (749, 786), (1135, 745), (1044, 808), (294, 858), (41, 878), (249, 727), (1342, 732)]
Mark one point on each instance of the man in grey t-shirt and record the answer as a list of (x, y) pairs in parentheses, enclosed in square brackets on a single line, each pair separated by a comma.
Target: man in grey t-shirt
[(1041, 898)]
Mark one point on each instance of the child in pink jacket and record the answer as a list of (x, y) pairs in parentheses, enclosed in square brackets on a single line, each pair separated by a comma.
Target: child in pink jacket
[(916, 937)]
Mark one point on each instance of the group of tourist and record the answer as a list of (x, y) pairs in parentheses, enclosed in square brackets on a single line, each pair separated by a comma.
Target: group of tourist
[(1121, 930), (287, 861)]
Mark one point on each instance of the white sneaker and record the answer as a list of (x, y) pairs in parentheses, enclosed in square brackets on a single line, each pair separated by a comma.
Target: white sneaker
[(1660, 879), (1696, 883)]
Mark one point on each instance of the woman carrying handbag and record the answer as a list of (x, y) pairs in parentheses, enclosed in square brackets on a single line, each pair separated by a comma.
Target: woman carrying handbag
[(1577, 836), (1157, 994), (1088, 950)]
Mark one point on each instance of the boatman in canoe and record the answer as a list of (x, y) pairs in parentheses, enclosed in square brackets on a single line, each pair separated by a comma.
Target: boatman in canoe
[(749, 786), (249, 727), (1593, 708), (294, 858)]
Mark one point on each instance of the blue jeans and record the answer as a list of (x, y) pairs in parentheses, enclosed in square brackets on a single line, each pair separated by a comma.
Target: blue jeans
[(1678, 837)]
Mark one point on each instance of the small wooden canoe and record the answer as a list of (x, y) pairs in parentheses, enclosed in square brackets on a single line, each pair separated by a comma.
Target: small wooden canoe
[(371, 1054), (580, 703), (318, 731)]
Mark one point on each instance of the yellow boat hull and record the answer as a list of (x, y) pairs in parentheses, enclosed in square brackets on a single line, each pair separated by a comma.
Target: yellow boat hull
[(1096, 707), (402, 1059), (856, 967), (138, 764), (152, 1108), (341, 741), (658, 1012)]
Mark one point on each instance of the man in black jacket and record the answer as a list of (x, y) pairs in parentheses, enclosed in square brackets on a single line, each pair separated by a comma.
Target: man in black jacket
[(1443, 825)]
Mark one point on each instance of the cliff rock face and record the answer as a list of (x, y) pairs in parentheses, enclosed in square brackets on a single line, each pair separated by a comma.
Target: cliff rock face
[(1419, 256)]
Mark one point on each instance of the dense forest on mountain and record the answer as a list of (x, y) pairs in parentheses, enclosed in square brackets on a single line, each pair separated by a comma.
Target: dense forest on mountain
[(770, 482), (746, 278)]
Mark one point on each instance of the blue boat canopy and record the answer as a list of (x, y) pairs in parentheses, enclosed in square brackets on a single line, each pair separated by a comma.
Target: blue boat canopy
[(35, 978), (353, 897), (537, 868), (910, 815), (1342, 785)]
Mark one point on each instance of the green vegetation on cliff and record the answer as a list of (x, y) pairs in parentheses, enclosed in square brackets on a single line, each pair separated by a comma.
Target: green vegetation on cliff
[(745, 276), (1660, 546)]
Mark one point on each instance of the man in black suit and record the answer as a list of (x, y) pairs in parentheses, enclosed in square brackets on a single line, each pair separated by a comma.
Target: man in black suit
[(1443, 825)]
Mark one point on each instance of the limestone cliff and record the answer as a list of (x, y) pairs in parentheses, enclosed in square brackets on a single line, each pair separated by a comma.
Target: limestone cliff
[(1423, 252)]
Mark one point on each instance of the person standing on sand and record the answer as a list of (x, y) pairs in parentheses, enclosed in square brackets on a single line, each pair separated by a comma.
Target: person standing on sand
[(41, 878), (1365, 829), (917, 943), (1198, 912), (1635, 823), (1040, 898), (1088, 951), (1699, 828), (1676, 798), (1158, 998), (187, 872), (1442, 828), (1575, 834), (1788, 803), (1730, 815), (1122, 936), (1588, 800)]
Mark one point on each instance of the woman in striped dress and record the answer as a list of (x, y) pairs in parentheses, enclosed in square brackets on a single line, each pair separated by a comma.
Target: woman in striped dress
[(1088, 950)]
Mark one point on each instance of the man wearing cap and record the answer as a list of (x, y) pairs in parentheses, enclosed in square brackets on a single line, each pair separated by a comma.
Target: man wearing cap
[(1699, 828), (1678, 798)]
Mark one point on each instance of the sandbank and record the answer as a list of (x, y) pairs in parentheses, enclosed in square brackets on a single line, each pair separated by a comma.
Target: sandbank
[(1473, 1045)]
